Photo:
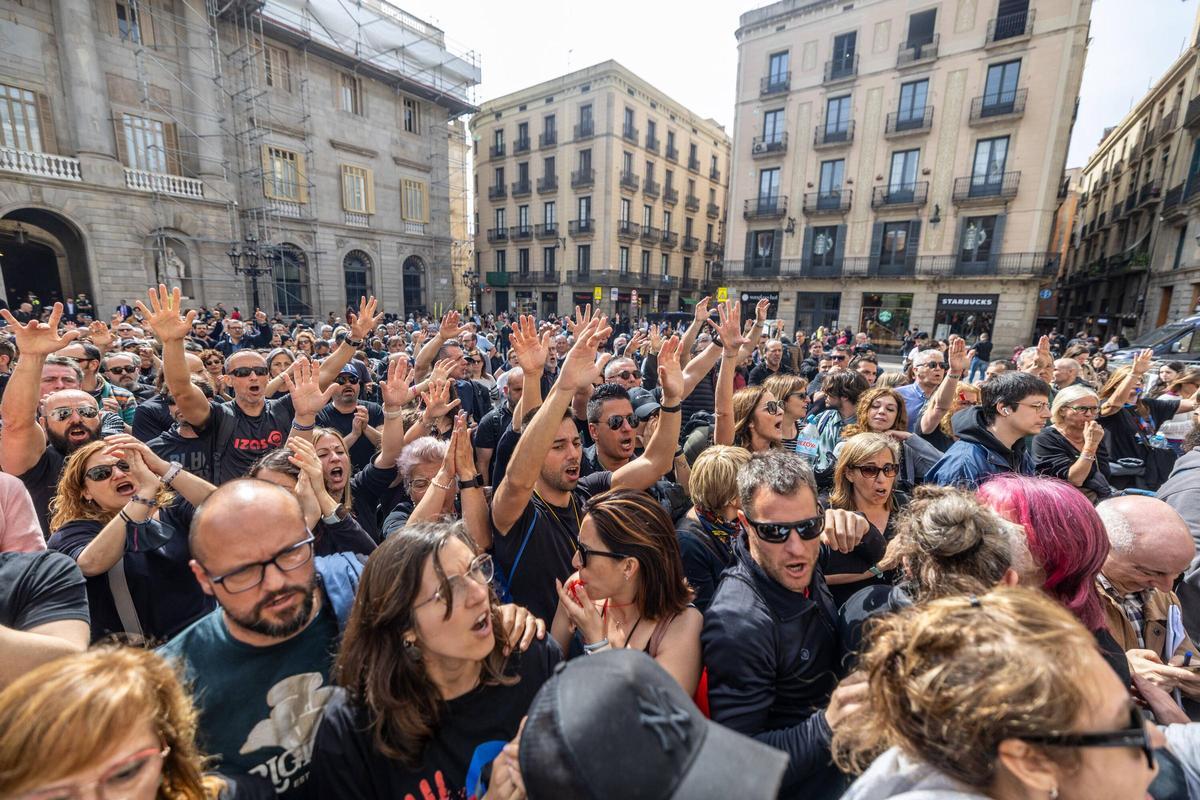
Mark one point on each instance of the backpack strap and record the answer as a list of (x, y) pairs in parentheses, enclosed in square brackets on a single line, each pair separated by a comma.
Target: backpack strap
[(118, 585), (524, 542)]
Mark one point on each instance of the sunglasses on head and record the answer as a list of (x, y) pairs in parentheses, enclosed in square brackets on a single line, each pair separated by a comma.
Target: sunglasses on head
[(246, 372), (122, 370), (87, 412), (872, 470), (1135, 736), (102, 472), (347, 379), (585, 552), (615, 420), (778, 532)]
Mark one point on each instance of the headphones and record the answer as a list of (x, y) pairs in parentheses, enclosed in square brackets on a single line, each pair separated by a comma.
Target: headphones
[(1005, 411)]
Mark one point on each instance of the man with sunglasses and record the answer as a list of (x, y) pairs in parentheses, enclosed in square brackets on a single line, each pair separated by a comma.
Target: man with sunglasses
[(771, 645), (123, 370), (935, 379), (358, 421), (110, 397)]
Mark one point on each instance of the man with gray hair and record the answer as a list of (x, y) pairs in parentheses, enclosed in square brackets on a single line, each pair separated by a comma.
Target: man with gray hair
[(1066, 373), (770, 638), (1150, 547)]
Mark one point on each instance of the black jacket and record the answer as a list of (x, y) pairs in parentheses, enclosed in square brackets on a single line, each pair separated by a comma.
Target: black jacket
[(774, 657)]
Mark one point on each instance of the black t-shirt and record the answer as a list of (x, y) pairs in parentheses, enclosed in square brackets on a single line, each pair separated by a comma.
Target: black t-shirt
[(362, 451), (151, 418), (492, 426), (983, 350), (194, 454), (41, 587), (546, 537), (240, 440), (1125, 427), (41, 481)]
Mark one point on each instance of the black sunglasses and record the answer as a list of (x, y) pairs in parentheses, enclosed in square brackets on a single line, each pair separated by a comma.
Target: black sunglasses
[(122, 370), (102, 472), (585, 552), (872, 470), (778, 532), (1136, 735), (773, 407), (246, 372), (614, 421), (626, 374), (350, 379)]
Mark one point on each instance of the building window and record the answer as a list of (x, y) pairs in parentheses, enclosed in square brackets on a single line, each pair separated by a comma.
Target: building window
[(762, 251), (645, 263), (987, 172), (145, 143), (501, 261), (824, 243), (777, 69), (412, 116), (920, 28), (623, 210), (902, 184), (913, 97), (501, 218), (549, 214), (585, 160), (585, 209), (498, 140), (585, 122), (647, 216), (664, 262), (627, 162), (350, 93), (276, 72), (129, 24), (356, 269), (283, 174), (19, 119), (837, 117), (583, 258), (548, 255), (773, 126), (523, 217), (894, 244), (357, 190), (768, 189), (548, 167), (291, 283), (667, 220), (623, 260), (976, 244), (414, 201), (1000, 89), (830, 187), (523, 261)]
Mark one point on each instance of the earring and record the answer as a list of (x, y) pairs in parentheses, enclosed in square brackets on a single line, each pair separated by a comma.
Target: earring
[(1054, 793)]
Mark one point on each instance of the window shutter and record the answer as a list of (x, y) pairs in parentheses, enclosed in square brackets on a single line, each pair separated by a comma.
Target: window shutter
[(46, 125), (267, 171), (776, 251), (914, 242), (370, 191), (174, 161), (424, 189), (108, 10), (806, 253), (958, 243), (146, 23), (119, 132), (405, 211), (749, 265), (342, 173), (302, 177), (876, 243), (997, 242), (839, 246)]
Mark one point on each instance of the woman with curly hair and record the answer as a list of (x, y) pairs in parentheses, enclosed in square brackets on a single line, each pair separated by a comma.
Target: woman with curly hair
[(882, 410)]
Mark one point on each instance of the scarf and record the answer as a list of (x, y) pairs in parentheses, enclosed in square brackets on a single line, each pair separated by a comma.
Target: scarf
[(724, 532)]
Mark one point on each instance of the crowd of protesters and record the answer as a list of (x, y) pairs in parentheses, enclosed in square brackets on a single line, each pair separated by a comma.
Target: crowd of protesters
[(506, 557)]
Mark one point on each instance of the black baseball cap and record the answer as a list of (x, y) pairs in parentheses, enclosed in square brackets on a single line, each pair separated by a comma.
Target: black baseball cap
[(616, 724), (643, 402)]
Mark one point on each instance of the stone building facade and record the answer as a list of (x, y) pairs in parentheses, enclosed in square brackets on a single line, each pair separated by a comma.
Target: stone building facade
[(143, 137)]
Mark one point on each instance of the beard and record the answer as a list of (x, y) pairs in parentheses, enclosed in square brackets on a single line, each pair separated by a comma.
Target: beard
[(254, 621), (61, 442)]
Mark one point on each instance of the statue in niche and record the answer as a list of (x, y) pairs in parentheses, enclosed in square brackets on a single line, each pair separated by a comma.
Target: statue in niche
[(172, 269)]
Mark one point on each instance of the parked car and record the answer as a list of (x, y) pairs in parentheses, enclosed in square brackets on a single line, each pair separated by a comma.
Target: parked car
[(1175, 341)]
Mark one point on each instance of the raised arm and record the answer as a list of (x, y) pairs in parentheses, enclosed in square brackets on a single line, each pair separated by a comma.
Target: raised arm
[(760, 318), (943, 399), (1116, 400), (24, 440), (732, 341), (643, 471), (529, 351), (190, 487), (361, 325), (699, 366), (699, 318), (447, 331), (308, 398), (164, 319), (397, 393)]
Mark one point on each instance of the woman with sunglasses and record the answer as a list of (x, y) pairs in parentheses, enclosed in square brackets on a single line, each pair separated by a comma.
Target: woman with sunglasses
[(864, 481), (430, 690), (629, 589), (1072, 447), (793, 391), (999, 696), (214, 365), (123, 514), (882, 410), (110, 723), (757, 419)]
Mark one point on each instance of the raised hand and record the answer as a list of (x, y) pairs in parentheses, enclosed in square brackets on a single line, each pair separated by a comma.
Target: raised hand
[(304, 456), (1141, 361), (582, 318), (437, 399), (464, 454), (701, 310), (670, 372), (304, 385), (260, 317), (958, 357), (656, 340), (760, 310), (635, 343), (40, 338), (450, 327), (443, 368), (576, 370), (362, 323), (101, 335), (729, 326), (528, 349), (122, 444), (163, 315), (1093, 435), (397, 389), (1043, 346)]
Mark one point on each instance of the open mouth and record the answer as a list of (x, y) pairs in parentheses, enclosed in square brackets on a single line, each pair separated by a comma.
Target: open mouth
[(571, 471), (336, 473), (483, 625), (797, 571), (125, 488), (78, 433), (627, 444)]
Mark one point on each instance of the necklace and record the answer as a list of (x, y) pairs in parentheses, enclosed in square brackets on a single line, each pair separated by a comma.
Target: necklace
[(564, 527), (629, 638)]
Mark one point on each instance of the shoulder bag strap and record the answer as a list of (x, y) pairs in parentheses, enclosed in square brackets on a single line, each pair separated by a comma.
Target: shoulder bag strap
[(123, 600)]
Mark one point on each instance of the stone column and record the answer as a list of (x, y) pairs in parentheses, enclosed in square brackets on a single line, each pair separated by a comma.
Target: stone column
[(83, 79), (204, 99)]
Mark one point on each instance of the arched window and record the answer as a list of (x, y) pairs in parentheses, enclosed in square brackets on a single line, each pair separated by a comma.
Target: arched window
[(291, 282), (356, 268), (414, 285)]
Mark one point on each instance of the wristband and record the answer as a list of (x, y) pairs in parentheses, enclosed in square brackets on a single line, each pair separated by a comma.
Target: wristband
[(473, 483), (170, 474), (669, 409), (1087, 457), (143, 501), (392, 414), (297, 426), (588, 649), (355, 343), (128, 519), (443, 487)]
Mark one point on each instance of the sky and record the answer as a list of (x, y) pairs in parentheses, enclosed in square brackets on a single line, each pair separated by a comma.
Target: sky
[(687, 48)]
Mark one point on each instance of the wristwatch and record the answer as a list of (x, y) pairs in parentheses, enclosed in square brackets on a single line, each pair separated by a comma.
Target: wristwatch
[(355, 343), (473, 483), (338, 514)]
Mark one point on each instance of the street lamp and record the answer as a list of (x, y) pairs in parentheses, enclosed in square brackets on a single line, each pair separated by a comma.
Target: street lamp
[(471, 280), (254, 260)]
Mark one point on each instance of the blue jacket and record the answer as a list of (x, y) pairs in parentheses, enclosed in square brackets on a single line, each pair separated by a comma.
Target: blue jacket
[(977, 455)]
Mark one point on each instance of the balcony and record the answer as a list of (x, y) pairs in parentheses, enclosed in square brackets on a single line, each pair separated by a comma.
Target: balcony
[(766, 208), (629, 181), (547, 139), (497, 192), (1166, 125), (904, 123), (712, 211), (496, 151), (520, 233), (546, 230), (900, 194), (585, 130), (994, 107), (40, 165), (986, 188), (670, 196), (838, 135), (356, 219), (1172, 204), (496, 235), (691, 203), (775, 84), (714, 174), (691, 244), (651, 143), (535, 277), (1191, 117), (836, 201), (1130, 201), (672, 153), (651, 234), (775, 144), (583, 178), (285, 208), (689, 284), (652, 188), (521, 145), (159, 183), (693, 164), (581, 227), (712, 249), (628, 230), (1009, 28), (670, 240), (548, 184), (842, 68), (1149, 193), (917, 53), (1191, 188), (630, 133), (522, 188), (497, 279)]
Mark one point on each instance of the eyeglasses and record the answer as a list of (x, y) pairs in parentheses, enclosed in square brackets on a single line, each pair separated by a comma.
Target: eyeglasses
[(778, 532), (419, 484), (790, 395), (933, 365), (1084, 409), (626, 374), (246, 372), (87, 412), (347, 379), (1038, 407), (773, 407), (129, 777), (839, 357), (873, 470), (245, 578), (122, 370), (1136, 736), (481, 570), (585, 552), (102, 472), (614, 421)]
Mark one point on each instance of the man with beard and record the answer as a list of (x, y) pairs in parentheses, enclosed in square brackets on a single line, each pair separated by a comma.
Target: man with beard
[(772, 363), (122, 371), (541, 501), (35, 452), (358, 421)]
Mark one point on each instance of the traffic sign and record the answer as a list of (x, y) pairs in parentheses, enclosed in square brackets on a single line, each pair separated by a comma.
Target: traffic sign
[(598, 293), (722, 294), (633, 297)]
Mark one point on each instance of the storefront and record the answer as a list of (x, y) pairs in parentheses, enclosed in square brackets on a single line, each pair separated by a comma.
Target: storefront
[(816, 309), (885, 317), (967, 315), (549, 305), (750, 300)]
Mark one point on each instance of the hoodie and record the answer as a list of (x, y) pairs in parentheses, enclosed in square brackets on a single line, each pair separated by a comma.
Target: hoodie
[(895, 776), (977, 454)]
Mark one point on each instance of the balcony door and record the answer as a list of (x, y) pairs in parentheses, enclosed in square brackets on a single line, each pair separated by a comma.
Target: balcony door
[(987, 172), (773, 127), (837, 118), (843, 53), (777, 69), (902, 183), (768, 190), (1000, 88), (829, 191), (913, 97)]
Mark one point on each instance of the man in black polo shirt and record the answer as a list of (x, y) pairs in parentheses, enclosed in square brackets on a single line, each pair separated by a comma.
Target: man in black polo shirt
[(541, 501), (346, 413), (612, 427)]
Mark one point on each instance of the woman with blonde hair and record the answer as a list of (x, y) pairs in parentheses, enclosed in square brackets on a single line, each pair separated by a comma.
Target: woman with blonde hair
[(706, 533), (112, 723), (1071, 447), (757, 419), (792, 391), (123, 514), (999, 695), (882, 410)]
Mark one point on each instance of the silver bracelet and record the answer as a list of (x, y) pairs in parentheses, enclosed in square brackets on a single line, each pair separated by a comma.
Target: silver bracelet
[(1086, 457), (588, 649), (170, 474)]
